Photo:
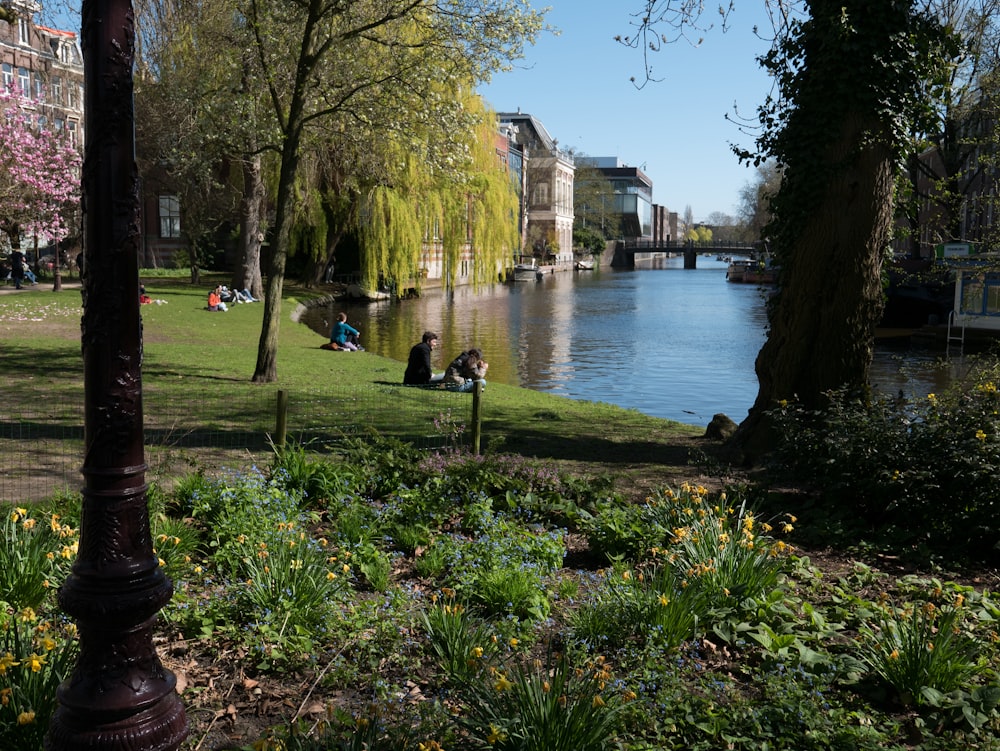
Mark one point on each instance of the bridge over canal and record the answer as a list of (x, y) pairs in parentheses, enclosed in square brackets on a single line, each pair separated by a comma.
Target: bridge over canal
[(625, 250)]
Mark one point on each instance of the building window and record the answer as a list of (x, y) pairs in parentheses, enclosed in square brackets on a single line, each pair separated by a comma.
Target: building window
[(60, 125), (170, 216), (56, 90), (24, 82), (72, 94), (8, 76), (39, 87), (23, 31), (71, 128)]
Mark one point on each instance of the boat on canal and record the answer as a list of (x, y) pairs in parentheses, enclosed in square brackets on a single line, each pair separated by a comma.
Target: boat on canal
[(526, 270), (751, 271), (584, 265)]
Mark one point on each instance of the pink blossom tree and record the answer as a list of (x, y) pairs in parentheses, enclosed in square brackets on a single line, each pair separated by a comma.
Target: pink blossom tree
[(39, 174)]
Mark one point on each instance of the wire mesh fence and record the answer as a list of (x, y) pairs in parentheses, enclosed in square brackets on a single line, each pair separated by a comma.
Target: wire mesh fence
[(42, 443)]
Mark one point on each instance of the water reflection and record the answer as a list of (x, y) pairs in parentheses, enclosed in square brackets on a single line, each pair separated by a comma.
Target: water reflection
[(669, 342)]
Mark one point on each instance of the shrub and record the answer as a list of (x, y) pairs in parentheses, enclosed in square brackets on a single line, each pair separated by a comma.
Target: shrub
[(923, 472)]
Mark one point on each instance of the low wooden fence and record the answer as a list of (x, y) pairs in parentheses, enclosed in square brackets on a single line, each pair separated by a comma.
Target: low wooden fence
[(41, 444)]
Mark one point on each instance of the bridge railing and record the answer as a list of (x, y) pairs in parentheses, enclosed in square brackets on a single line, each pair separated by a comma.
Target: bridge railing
[(697, 245)]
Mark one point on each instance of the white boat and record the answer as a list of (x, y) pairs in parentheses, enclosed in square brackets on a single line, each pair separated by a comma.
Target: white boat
[(526, 270), (584, 265)]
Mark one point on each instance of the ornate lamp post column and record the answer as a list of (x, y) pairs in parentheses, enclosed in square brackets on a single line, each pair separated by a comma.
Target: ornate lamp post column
[(119, 696)]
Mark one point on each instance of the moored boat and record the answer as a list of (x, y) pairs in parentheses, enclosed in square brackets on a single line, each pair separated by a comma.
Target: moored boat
[(751, 271), (584, 265), (526, 270)]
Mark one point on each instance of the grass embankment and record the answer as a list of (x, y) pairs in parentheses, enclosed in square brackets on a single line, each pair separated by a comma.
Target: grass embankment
[(188, 350), (417, 601)]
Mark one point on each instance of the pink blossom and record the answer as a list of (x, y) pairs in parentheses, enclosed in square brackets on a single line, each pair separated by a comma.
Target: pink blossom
[(39, 173)]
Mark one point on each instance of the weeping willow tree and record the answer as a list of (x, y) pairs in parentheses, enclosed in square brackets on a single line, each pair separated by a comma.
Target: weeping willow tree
[(471, 206)]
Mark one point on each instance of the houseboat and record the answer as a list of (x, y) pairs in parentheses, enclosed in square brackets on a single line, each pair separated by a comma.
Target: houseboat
[(751, 271)]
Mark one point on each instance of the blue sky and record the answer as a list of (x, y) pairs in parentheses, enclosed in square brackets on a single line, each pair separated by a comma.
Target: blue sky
[(577, 84)]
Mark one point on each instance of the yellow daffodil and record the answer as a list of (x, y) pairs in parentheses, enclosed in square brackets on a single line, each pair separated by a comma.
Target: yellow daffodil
[(597, 702), (26, 718), (35, 662), (502, 684), (5, 696), (7, 661), (496, 735), (477, 652)]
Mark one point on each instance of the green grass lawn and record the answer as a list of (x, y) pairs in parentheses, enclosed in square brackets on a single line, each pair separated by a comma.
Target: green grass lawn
[(198, 366)]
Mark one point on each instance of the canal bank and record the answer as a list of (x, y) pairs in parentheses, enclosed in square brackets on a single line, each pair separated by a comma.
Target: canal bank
[(668, 341)]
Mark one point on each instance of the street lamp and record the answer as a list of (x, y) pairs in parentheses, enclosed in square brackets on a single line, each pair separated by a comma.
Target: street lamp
[(119, 696)]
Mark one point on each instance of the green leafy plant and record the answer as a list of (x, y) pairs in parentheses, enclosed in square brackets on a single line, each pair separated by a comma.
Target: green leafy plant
[(34, 556), (651, 604), (318, 482), (920, 652), (545, 707), (462, 643), (35, 657)]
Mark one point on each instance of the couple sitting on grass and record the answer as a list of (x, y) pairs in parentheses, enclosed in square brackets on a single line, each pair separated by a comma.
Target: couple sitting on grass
[(222, 297), (461, 375)]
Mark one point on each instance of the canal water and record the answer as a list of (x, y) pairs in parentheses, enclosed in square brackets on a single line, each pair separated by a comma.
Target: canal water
[(667, 341)]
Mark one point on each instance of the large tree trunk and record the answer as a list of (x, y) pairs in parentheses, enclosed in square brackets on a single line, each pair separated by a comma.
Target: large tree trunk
[(247, 274), (266, 370), (822, 324)]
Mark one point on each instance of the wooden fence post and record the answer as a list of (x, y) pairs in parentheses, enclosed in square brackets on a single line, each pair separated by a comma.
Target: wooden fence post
[(281, 419), (477, 416)]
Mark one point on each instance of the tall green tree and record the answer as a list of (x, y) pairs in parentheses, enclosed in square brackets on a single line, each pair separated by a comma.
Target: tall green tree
[(201, 130), (755, 201), (852, 77), (952, 165), (593, 200), (369, 59)]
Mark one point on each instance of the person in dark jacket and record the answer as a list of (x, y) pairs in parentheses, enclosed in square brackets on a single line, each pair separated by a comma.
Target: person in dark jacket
[(418, 368), (17, 268)]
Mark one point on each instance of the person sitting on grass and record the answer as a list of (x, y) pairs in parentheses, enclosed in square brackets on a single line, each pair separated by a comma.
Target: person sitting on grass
[(418, 367), (344, 335), (215, 299), (465, 370)]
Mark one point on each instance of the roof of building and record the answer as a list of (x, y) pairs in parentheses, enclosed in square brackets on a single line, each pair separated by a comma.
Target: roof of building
[(538, 130)]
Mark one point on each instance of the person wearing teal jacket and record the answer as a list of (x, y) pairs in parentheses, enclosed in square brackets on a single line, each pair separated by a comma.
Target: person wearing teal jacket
[(344, 335)]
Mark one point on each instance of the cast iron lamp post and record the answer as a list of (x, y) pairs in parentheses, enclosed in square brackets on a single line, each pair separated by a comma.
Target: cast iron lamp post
[(119, 696)]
